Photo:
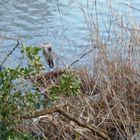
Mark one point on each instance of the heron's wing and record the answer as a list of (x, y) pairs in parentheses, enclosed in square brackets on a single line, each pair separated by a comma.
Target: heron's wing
[(50, 63), (45, 54)]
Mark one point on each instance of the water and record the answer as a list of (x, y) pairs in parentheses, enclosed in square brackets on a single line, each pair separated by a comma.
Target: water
[(60, 22)]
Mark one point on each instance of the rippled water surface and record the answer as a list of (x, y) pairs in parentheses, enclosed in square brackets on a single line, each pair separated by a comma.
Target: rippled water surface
[(60, 22)]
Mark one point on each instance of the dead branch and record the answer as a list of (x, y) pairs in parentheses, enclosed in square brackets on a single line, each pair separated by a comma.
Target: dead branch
[(80, 57), (9, 54), (96, 130)]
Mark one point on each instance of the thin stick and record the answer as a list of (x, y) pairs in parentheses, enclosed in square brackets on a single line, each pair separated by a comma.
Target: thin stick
[(9, 54), (130, 6), (80, 58)]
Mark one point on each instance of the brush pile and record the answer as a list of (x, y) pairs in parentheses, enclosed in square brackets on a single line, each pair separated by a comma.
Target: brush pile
[(107, 108)]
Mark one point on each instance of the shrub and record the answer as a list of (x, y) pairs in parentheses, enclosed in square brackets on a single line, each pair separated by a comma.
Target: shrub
[(69, 85), (14, 101)]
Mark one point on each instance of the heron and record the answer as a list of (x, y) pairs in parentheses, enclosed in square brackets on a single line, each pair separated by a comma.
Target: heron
[(48, 54)]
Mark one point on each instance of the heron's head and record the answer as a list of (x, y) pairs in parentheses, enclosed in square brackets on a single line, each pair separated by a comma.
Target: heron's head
[(46, 45)]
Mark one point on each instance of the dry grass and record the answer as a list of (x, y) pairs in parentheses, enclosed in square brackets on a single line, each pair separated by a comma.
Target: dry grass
[(110, 104)]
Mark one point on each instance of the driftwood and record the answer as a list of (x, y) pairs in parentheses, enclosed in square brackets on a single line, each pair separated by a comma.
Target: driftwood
[(96, 130)]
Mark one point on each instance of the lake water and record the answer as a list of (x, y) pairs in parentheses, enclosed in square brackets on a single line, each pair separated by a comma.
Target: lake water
[(60, 22)]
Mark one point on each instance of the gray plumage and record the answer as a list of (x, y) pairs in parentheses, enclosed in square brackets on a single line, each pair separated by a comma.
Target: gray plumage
[(48, 54)]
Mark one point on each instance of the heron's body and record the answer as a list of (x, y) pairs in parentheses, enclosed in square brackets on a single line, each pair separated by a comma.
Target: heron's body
[(48, 55)]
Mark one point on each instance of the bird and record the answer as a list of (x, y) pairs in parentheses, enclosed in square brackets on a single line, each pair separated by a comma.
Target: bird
[(48, 54)]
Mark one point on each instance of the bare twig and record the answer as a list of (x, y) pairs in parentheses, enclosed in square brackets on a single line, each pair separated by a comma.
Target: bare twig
[(80, 58), (1, 65), (130, 6)]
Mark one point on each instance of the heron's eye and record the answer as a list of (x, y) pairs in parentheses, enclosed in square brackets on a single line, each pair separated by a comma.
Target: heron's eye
[(49, 49)]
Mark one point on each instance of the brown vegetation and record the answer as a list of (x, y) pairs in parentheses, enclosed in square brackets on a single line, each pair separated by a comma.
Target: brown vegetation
[(107, 108)]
